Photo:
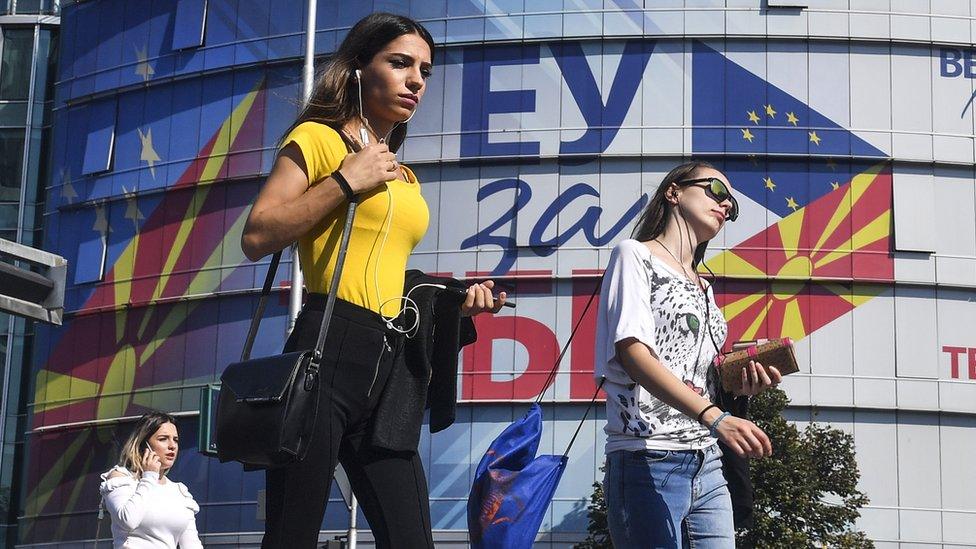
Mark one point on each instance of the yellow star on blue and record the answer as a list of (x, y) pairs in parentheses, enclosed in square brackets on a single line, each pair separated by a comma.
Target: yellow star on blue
[(101, 222), (814, 138), (67, 189), (747, 135), (790, 203), (769, 183), (791, 118), (143, 68), (148, 153), (753, 117), (132, 208)]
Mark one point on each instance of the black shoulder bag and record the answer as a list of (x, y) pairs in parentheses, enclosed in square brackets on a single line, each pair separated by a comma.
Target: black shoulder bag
[(267, 406)]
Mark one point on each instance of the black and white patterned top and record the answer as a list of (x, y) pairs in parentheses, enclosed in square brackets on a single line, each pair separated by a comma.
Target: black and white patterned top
[(644, 298)]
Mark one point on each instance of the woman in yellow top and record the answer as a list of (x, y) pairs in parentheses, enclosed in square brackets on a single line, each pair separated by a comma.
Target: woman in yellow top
[(373, 83)]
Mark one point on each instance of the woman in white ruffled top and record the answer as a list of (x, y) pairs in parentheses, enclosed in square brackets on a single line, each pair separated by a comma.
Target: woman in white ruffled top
[(149, 510)]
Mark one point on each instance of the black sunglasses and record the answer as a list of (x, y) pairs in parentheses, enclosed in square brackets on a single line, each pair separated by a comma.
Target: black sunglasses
[(716, 189)]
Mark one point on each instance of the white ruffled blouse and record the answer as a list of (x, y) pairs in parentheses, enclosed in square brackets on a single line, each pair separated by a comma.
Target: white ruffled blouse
[(146, 514)]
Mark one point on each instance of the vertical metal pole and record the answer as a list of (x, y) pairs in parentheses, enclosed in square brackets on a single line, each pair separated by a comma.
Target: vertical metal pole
[(308, 83), (353, 532), (295, 301)]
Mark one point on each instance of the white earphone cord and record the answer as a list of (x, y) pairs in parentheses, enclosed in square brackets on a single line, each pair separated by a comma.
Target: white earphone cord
[(408, 304)]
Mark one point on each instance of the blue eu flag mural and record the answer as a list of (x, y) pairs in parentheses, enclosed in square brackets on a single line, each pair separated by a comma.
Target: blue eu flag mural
[(512, 487), (786, 149)]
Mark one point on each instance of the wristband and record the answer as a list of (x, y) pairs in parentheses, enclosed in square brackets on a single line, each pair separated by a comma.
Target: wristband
[(702, 413), (712, 430), (344, 185)]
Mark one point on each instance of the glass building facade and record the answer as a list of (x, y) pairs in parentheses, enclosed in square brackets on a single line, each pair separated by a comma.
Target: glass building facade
[(28, 56)]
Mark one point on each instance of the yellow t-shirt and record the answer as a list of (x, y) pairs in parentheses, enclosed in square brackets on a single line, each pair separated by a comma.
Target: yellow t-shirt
[(374, 269)]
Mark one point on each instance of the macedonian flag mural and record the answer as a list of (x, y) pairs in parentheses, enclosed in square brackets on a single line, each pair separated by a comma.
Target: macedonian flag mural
[(826, 244), (146, 336), (811, 258)]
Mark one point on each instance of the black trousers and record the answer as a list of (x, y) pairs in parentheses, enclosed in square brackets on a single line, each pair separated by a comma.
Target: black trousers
[(390, 486)]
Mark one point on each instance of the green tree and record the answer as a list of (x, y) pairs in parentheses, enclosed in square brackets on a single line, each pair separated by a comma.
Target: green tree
[(596, 512), (806, 494)]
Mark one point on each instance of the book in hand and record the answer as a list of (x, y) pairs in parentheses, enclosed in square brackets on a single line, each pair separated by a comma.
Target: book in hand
[(768, 352)]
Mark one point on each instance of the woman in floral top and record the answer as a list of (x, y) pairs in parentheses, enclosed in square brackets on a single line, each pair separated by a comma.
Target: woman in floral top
[(658, 332)]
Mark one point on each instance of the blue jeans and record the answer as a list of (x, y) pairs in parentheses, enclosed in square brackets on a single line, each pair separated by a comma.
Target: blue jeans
[(668, 499)]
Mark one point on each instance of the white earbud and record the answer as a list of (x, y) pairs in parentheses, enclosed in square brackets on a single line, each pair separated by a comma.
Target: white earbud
[(363, 134)]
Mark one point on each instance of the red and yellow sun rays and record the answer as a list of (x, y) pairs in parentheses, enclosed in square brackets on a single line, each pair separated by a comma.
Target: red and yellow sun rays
[(113, 352), (92, 371), (802, 270)]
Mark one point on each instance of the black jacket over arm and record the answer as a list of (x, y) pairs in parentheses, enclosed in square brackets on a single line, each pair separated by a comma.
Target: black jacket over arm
[(425, 376)]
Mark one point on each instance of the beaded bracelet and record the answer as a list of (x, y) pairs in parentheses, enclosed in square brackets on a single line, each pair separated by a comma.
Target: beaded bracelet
[(713, 429)]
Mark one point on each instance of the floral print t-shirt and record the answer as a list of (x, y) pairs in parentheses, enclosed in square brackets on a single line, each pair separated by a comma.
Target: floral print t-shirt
[(646, 299)]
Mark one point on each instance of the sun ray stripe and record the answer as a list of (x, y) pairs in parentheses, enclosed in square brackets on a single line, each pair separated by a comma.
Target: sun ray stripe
[(874, 231), (80, 484), (203, 280), (731, 264), (176, 249), (198, 285), (869, 234), (228, 134), (737, 307), (753, 328), (793, 321), (841, 213), (218, 156), (122, 273), (790, 228), (860, 183), (863, 181), (45, 487), (55, 390), (116, 389)]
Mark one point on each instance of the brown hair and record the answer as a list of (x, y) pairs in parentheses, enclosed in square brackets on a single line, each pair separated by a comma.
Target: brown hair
[(334, 99), (654, 219), (131, 455)]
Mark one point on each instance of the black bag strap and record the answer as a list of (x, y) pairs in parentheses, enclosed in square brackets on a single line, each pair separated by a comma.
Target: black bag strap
[(330, 300), (265, 292), (334, 284), (555, 367), (352, 146)]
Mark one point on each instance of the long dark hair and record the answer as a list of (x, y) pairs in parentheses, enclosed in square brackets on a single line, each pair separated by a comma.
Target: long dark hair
[(334, 99), (131, 455), (658, 212)]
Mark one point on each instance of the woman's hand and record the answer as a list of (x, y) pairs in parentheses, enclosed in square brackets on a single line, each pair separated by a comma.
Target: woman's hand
[(744, 437), (150, 461), (369, 168), (756, 378), (479, 299)]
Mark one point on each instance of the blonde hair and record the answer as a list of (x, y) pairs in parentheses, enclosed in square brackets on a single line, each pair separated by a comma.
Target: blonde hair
[(131, 455)]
